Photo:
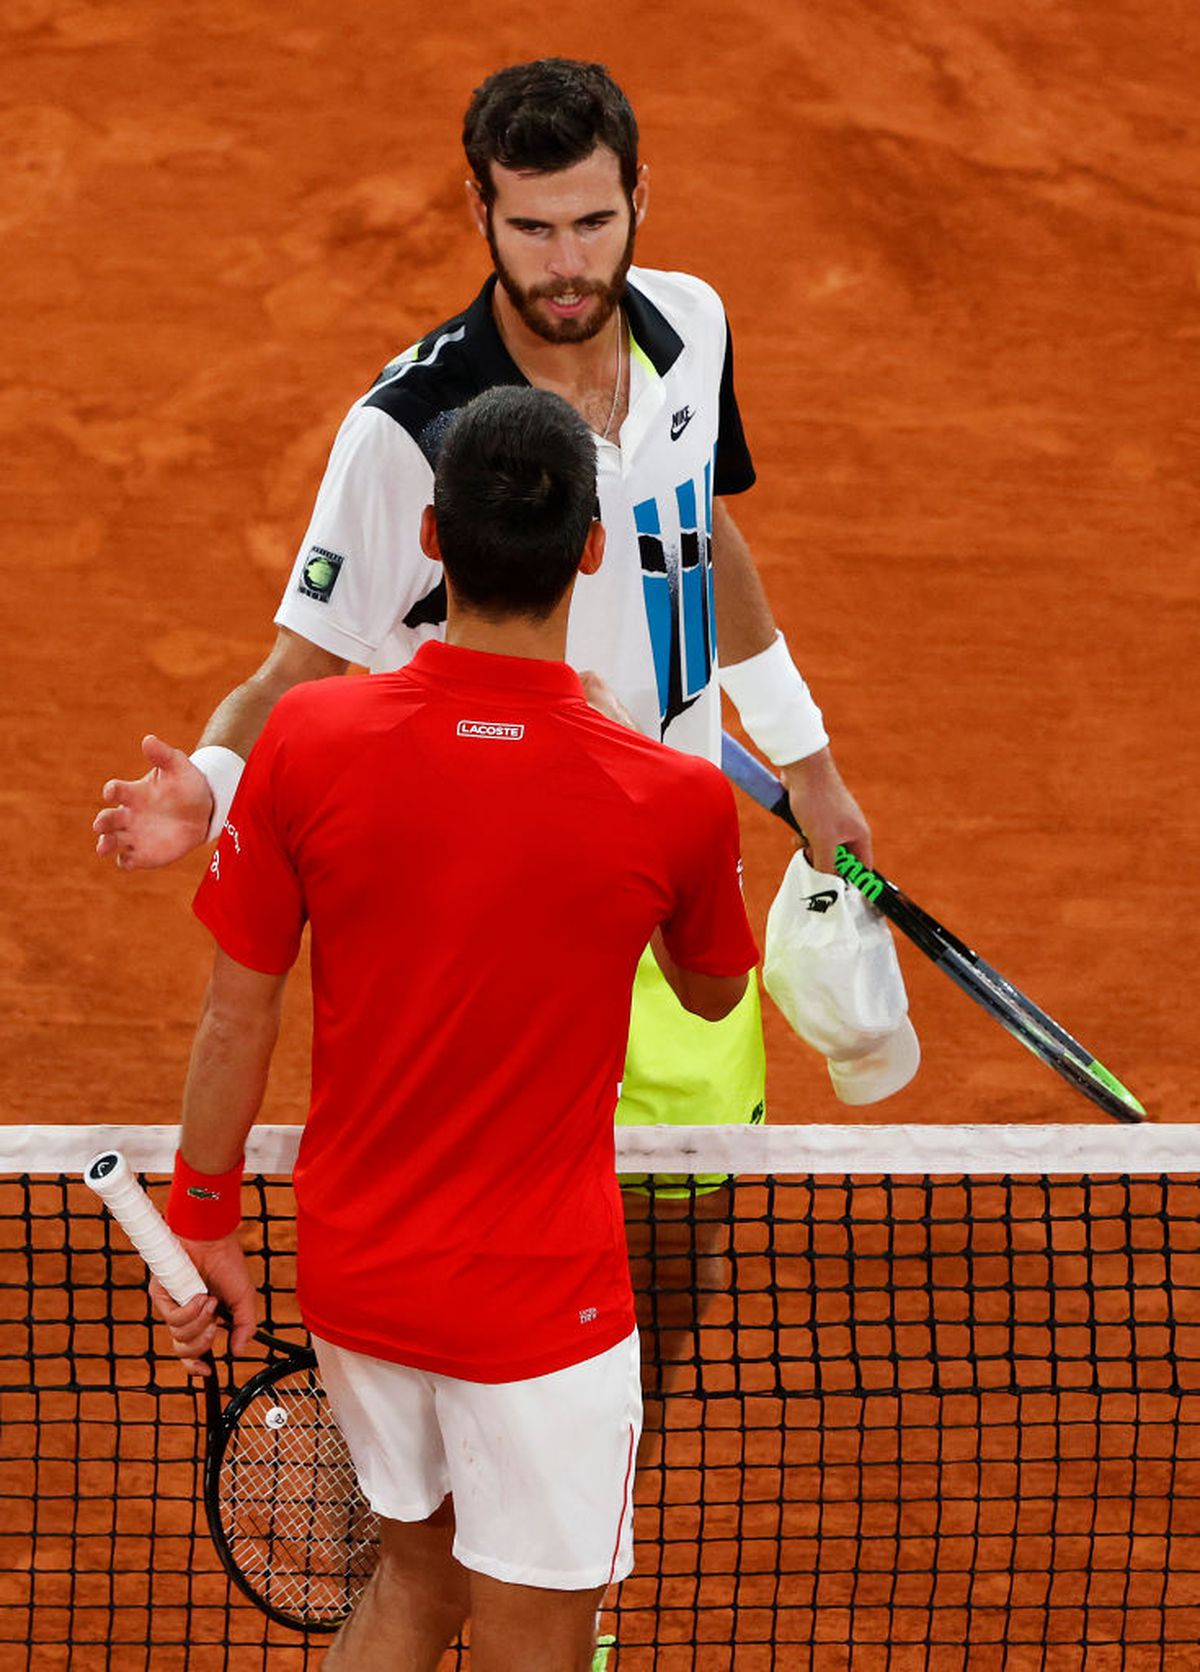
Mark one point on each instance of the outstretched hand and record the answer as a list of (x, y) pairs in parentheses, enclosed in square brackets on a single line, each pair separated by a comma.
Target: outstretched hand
[(152, 820), (193, 1326)]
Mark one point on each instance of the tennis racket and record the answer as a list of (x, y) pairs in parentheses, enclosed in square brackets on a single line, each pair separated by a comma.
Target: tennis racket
[(283, 1505), (1038, 1032)]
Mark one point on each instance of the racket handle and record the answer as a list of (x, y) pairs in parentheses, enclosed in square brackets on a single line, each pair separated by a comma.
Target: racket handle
[(109, 1176), (758, 782)]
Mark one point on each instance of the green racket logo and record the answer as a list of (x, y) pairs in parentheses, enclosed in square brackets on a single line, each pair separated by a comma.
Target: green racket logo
[(857, 875)]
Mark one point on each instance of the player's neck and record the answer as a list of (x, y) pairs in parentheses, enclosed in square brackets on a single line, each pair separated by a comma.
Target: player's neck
[(566, 368), (518, 635)]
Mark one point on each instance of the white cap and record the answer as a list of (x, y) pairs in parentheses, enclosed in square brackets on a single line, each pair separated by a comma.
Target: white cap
[(831, 967), (887, 1067)]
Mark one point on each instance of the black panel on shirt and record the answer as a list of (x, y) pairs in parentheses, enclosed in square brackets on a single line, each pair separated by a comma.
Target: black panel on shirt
[(429, 611), (652, 331), (735, 468), (424, 398)]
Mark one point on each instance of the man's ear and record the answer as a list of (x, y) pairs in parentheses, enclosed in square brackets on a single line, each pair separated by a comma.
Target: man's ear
[(593, 550), (429, 535), (641, 194), (476, 206)]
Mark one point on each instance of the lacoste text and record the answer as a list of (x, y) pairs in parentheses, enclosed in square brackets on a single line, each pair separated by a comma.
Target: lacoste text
[(490, 728)]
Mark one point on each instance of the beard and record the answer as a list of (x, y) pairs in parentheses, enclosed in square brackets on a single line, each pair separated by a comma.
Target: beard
[(608, 292)]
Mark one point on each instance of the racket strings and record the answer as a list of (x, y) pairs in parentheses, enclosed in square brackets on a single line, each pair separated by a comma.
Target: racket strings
[(295, 1520)]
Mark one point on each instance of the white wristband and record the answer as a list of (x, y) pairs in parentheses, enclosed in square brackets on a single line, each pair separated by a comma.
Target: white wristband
[(775, 705), (223, 769)]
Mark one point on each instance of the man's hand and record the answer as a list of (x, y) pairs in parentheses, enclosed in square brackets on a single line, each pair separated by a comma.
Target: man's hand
[(605, 701), (193, 1327), (826, 811), (158, 818)]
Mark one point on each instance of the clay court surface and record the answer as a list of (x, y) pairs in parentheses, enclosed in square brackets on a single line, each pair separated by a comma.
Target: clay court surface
[(960, 250)]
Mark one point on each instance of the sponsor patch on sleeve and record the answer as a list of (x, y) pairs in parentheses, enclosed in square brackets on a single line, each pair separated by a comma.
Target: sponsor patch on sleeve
[(319, 574)]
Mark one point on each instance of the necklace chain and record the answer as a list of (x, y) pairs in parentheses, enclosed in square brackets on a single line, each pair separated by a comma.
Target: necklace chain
[(618, 381), (616, 396)]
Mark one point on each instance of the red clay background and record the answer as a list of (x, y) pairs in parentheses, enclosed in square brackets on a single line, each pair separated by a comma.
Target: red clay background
[(960, 247)]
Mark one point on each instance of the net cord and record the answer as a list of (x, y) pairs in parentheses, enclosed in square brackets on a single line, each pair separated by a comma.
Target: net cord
[(904, 1150)]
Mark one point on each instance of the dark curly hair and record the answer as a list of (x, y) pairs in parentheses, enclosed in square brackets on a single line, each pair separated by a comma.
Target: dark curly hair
[(545, 116)]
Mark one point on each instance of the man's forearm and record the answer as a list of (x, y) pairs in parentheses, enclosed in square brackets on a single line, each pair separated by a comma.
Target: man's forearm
[(236, 723), (745, 625), (774, 704), (232, 731), (227, 1075), (756, 669), (226, 1079)]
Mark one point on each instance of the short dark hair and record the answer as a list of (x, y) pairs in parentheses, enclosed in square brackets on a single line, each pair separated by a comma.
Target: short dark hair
[(548, 115), (513, 498)]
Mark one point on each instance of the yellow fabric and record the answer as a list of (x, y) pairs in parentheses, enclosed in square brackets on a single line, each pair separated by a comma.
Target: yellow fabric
[(683, 1071)]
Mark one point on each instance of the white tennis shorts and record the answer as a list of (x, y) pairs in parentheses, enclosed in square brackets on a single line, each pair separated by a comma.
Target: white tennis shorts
[(541, 1471)]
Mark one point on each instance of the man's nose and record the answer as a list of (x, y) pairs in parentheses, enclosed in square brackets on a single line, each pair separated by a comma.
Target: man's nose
[(566, 257)]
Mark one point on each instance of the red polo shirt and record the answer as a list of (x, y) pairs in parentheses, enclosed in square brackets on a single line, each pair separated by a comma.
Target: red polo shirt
[(482, 858)]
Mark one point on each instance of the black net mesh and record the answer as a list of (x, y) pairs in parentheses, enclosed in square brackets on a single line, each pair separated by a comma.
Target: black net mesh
[(893, 1421)]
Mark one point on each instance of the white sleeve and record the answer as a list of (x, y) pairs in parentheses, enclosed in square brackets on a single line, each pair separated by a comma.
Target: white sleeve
[(360, 567)]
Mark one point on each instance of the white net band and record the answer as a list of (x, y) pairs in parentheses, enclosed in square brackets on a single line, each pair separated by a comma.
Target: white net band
[(937, 1151)]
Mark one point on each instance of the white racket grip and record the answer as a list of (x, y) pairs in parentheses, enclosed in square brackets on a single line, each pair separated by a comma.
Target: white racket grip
[(109, 1176)]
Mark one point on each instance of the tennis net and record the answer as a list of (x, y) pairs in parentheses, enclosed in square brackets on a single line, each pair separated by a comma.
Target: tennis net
[(919, 1398)]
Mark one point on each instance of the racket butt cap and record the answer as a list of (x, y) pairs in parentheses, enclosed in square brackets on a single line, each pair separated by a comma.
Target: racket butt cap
[(106, 1172)]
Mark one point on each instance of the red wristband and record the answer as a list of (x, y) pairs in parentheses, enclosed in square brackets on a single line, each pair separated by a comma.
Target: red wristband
[(204, 1206)]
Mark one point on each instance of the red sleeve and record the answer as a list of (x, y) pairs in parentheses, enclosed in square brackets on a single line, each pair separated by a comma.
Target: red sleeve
[(707, 930), (251, 899)]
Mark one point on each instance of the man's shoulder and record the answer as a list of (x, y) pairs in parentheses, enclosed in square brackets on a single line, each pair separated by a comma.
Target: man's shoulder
[(677, 320), (424, 386), (316, 707), (651, 770), (683, 298)]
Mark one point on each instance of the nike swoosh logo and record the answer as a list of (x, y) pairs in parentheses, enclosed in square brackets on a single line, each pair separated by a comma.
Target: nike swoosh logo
[(680, 422)]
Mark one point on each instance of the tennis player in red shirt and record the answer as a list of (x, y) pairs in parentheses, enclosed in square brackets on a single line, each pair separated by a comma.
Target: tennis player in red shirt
[(481, 857)]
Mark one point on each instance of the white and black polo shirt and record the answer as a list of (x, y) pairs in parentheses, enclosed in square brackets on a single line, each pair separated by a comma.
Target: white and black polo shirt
[(362, 588)]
